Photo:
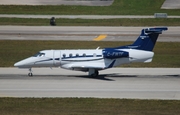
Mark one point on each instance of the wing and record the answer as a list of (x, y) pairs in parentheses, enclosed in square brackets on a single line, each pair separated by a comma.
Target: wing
[(85, 66)]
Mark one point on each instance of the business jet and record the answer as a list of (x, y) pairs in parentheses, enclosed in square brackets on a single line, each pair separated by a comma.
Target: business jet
[(94, 60)]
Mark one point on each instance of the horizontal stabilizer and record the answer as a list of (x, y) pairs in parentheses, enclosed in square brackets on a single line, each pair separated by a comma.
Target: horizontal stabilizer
[(157, 30)]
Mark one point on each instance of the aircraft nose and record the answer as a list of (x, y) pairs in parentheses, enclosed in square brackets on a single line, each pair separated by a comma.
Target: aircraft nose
[(24, 63), (17, 64)]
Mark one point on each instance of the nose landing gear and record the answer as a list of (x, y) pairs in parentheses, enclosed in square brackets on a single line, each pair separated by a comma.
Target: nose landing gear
[(30, 72)]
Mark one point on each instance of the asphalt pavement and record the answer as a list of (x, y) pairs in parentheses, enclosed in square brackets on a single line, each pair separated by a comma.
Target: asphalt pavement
[(131, 83), (83, 33), (58, 2), (171, 4)]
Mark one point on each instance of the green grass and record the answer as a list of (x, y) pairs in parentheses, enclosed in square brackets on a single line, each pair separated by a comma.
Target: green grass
[(119, 7), (92, 22), (166, 53), (87, 106)]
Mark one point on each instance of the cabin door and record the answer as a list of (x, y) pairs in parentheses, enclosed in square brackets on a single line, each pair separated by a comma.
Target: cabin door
[(57, 58)]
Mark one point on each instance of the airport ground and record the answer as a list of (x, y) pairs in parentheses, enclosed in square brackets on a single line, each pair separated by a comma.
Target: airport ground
[(168, 4), (82, 33), (136, 83), (119, 83), (58, 2), (115, 91), (144, 83)]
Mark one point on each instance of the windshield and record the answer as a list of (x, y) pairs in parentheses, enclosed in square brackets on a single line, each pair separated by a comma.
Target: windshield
[(39, 54)]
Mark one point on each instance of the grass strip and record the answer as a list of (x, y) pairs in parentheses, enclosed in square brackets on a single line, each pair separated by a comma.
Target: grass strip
[(87, 106), (119, 7), (92, 22), (166, 53)]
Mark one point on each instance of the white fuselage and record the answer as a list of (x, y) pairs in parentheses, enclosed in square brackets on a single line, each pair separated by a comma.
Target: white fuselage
[(82, 60)]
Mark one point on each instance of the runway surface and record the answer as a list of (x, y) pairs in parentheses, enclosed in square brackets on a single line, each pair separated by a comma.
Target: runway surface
[(58, 2), (84, 33), (171, 4), (168, 4), (140, 83)]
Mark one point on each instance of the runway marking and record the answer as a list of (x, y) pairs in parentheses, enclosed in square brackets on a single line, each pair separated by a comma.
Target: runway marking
[(100, 37)]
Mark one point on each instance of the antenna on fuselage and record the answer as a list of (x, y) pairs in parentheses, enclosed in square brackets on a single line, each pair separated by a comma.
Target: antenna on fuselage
[(97, 47)]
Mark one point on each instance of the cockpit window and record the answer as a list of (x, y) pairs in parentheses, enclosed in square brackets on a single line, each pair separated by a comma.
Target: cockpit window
[(36, 55), (39, 54)]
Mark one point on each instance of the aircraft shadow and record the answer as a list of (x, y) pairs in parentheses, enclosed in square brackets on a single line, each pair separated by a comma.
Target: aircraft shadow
[(118, 75), (173, 75), (106, 77), (100, 77)]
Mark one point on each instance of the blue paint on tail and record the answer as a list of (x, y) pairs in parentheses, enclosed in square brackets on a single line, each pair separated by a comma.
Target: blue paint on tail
[(147, 39)]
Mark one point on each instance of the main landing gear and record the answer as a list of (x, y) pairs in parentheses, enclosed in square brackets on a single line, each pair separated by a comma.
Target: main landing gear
[(30, 72), (93, 73)]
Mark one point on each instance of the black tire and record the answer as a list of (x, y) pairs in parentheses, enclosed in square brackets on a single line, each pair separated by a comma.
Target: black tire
[(30, 74), (95, 74)]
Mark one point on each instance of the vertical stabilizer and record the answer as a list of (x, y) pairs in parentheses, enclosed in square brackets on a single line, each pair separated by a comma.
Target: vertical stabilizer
[(147, 39)]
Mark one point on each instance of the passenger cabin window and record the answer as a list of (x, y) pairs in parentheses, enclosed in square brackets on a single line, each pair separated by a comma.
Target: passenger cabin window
[(84, 55), (77, 55), (70, 55), (64, 55)]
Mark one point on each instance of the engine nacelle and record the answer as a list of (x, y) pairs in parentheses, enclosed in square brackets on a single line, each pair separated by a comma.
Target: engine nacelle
[(114, 53)]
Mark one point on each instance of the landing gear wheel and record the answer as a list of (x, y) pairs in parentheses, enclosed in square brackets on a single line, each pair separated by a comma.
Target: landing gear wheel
[(95, 74), (30, 72)]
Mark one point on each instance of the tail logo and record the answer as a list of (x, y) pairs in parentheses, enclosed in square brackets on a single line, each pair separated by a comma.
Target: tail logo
[(143, 37)]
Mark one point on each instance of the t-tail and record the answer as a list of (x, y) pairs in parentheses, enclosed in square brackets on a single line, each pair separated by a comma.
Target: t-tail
[(147, 40)]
